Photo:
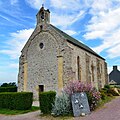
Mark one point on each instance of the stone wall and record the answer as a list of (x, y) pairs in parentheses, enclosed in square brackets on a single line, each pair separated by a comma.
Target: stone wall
[(42, 52), (42, 63), (92, 68)]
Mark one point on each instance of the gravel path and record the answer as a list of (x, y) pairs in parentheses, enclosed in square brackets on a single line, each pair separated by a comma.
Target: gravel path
[(111, 111)]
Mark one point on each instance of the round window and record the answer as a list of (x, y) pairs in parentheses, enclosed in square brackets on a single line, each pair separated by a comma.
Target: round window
[(41, 45)]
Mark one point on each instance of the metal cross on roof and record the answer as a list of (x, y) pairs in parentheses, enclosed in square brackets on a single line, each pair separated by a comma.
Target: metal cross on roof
[(43, 2)]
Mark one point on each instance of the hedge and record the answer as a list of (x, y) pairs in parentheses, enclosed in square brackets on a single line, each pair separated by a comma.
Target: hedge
[(46, 100), (8, 89), (16, 100)]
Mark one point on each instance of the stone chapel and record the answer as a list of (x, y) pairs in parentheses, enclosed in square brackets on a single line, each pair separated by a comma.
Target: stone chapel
[(51, 58)]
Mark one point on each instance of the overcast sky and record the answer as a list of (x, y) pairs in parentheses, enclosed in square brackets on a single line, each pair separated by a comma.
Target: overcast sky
[(96, 23)]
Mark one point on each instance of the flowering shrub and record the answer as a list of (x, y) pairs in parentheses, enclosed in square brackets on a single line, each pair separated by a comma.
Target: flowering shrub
[(77, 86)]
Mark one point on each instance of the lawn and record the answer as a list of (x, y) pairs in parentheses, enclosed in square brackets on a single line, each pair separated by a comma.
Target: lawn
[(50, 117), (16, 112)]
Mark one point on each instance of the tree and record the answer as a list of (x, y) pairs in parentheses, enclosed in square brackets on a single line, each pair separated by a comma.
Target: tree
[(9, 84)]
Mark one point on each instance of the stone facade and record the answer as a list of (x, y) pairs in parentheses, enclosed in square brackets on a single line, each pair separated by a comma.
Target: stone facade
[(48, 60)]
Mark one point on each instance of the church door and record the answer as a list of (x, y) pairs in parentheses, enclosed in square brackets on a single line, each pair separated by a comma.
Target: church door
[(41, 88)]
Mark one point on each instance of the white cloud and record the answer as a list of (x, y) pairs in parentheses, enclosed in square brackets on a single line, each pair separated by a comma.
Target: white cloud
[(8, 72), (110, 43), (10, 20), (13, 65), (63, 14), (59, 17), (11, 11), (110, 69), (16, 43), (65, 20), (8, 77), (94, 34), (6, 18), (35, 3), (100, 5), (100, 25), (61, 4), (70, 32), (105, 25), (114, 51), (13, 2)]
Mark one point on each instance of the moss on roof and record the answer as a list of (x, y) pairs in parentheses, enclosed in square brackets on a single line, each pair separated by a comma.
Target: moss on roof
[(76, 42)]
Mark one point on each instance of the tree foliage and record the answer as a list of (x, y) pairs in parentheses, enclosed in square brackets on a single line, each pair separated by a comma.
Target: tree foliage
[(11, 84)]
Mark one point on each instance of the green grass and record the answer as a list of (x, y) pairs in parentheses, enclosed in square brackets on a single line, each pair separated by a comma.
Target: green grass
[(50, 117), (16, 112), (103, 102), (116, 86)]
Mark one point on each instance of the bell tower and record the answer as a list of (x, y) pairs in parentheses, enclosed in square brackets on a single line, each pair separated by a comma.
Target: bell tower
[(43, 16)]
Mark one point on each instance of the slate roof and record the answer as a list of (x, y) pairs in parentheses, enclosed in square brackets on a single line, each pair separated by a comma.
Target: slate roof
[(115, 75), (77, 43)]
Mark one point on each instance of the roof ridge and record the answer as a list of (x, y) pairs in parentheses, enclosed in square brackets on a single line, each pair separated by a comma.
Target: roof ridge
[(76, 42)]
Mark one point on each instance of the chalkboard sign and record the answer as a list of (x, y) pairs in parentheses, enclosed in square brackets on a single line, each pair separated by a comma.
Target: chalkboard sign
[(80, 104)]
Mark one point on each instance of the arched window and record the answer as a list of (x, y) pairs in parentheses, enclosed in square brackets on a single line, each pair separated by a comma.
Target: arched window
[(78, 67)]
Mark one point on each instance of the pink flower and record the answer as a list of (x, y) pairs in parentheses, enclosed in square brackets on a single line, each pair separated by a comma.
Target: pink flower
[(78, 86)]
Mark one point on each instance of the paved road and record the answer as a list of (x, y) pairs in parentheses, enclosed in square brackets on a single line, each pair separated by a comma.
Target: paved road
[(111, 111), (28, 116)]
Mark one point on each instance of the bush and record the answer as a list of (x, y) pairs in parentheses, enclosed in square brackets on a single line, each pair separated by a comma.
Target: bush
[(92, 94), (8, 89), (109, 95), (105, 92), (110, 91), (46, 100), (103, 95), (113, 91), (93, 99), (107, 87), (104, 89), (16, 100), (62, 105)]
